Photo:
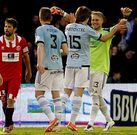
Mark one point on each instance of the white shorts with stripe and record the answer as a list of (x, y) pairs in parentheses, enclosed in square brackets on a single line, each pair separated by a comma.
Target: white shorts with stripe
[(77, 77), (51, 79), (97, 82)]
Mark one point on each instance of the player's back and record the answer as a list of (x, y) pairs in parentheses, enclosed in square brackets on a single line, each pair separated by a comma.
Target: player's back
[(78, 37), (52, 39)]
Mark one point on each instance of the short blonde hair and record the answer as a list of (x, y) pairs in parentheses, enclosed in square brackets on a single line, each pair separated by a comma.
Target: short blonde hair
[(100, 14)]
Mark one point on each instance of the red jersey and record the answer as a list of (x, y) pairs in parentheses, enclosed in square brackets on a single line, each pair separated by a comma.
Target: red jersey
[(11, 56)]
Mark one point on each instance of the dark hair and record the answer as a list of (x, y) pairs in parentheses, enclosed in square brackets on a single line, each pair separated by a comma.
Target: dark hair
[(45, 13), (57, 15), (55, 19), (82, 13), (12, 21)]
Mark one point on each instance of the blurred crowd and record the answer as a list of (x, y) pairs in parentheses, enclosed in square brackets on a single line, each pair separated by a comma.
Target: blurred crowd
[(123, 52), (123, 55)]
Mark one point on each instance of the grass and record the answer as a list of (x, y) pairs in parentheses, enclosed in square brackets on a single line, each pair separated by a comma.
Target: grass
[(65, 131)]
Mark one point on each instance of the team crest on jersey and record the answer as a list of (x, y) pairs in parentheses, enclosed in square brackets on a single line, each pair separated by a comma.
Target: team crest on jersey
[(18, 48), (54, 57), (75, 56)]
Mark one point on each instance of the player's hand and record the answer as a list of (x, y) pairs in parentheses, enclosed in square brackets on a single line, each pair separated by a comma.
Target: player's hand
[(40, 68), (28, 76), (72, 18), (123, 21), (126, 11), (119, 27), (1, 80), (122, 26)]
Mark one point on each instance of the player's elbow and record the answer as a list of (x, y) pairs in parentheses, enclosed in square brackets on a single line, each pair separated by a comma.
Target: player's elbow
[(64, 49), (103, 38)]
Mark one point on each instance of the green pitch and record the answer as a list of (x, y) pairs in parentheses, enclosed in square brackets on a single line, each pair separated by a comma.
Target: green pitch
[(65, 131)]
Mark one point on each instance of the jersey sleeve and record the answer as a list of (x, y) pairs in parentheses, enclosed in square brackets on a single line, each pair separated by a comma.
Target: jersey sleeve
[(24, 45), (110, 29), (93, 33), (39, 35)]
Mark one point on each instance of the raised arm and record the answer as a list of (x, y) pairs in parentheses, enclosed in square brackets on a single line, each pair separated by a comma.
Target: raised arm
[(126, 11), (118, 27)]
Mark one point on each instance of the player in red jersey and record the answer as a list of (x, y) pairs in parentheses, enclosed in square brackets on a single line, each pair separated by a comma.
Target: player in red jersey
[(1, 80), (12, 49)]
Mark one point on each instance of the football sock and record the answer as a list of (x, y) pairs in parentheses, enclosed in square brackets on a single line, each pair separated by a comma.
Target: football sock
[(64, 99), (76, 104), (8, 116), (44, 104), (58, 108), (94, 109), (4, 109), (104, 110)]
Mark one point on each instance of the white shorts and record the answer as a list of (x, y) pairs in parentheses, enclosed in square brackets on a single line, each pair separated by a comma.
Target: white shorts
[(97, 82), (50, 79), (77, 77)]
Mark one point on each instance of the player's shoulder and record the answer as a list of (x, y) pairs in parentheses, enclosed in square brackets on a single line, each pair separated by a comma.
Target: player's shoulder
[(1, 39), (21, 38), (71, 25), (75, 26), (39, 27), (57, 29)]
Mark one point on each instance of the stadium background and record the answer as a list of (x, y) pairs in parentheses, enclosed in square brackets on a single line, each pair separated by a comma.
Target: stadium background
[(24, 11)]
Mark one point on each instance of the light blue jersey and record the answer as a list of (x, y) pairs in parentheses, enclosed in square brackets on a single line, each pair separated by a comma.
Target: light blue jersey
[(78, 38), (52, 39)]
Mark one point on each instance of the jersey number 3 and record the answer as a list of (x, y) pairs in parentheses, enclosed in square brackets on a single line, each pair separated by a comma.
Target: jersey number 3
[(54, 44)]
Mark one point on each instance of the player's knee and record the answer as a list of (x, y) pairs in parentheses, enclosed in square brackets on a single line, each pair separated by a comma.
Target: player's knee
[(102, 102), (10, 103), (95, 100), (3, 100), (38, 94)]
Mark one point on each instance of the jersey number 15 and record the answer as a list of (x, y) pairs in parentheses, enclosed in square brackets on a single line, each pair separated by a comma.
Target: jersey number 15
[(74, 42)]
